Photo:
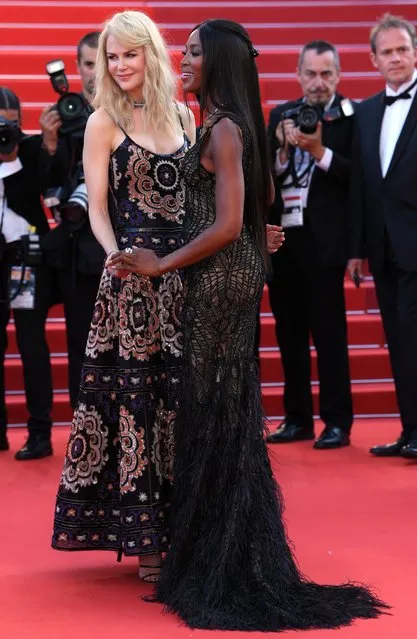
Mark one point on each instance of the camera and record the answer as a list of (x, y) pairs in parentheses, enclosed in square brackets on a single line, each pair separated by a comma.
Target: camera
[(10, 135), (72, 208), (72, 108), (307, 117)]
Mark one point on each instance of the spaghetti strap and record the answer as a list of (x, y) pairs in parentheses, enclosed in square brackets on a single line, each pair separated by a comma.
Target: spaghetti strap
[(179, 116)]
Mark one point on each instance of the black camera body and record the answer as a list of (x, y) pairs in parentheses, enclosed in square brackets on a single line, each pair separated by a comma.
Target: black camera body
[(72, 108), (10, 135), (307, 116)]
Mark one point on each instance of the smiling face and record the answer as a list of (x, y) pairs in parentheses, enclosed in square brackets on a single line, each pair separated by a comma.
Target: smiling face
[(127, 67), (192, 64), (394, 57)]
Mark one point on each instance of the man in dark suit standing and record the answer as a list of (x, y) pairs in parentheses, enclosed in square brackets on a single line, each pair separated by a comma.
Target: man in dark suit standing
[(384, 211), (306, 292), (21, 209)]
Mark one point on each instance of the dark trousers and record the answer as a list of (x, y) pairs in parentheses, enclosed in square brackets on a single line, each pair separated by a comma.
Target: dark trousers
[(32, 344), (397, 297), (307, 299), (78, 293)]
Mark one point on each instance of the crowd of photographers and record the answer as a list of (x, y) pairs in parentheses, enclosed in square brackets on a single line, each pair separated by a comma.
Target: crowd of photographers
[(326, 214)]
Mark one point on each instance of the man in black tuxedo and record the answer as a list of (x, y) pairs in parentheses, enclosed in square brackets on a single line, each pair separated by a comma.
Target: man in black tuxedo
[(384, 211), (306, 291), (21, 208)]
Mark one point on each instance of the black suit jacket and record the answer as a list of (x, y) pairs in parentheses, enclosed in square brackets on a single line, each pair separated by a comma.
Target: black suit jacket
[(384, 206), (327, 206), (23, 189)]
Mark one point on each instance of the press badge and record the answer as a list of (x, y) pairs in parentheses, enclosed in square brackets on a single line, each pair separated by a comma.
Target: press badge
[(293, 208), (22, 291)]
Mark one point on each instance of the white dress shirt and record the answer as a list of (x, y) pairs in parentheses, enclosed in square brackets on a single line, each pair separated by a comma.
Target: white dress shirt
[(323, 164), (393, 122), (13, 226)]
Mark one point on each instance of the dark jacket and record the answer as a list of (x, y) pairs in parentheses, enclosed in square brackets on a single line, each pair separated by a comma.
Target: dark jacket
[(327, 205), (23, 189), (384, 207)]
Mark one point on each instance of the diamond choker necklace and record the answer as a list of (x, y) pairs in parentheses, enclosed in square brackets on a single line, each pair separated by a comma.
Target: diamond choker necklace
[(139, 105)]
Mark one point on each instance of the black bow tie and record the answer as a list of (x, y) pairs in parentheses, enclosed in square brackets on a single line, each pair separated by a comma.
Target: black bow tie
[(405, 95)]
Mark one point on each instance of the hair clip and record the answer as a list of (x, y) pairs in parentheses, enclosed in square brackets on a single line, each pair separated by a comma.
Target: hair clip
[(254, 52)]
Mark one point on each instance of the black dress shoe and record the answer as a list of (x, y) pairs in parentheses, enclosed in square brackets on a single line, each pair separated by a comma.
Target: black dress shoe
[(409, 451), (4, 442), (390, 450), (288, 432), (36, 447), (332, 437)]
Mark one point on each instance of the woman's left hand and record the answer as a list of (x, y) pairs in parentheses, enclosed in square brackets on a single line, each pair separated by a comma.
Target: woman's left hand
[(142, 261), (274, 237)]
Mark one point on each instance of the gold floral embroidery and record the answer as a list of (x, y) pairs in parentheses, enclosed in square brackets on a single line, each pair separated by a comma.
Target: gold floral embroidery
[(132, 445)]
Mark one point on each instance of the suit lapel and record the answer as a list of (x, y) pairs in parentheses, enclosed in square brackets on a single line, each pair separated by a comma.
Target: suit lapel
[(405, 135), (374, 125)]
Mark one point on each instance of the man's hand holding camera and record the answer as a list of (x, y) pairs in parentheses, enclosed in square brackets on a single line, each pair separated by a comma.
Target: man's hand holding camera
[(50, 123), (289, 134)]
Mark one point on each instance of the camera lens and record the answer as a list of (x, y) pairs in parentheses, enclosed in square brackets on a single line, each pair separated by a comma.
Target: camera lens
[(71, 106), (9, 138), (308, 120)]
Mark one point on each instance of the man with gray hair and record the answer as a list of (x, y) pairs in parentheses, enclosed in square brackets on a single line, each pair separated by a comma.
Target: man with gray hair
[(384, 211), (311, 146)]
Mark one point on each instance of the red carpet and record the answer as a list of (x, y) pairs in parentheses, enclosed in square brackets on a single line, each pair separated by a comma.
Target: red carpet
[(350, 516)]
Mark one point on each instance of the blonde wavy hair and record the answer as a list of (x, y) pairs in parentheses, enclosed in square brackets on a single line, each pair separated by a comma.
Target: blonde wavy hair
[(134, 29)]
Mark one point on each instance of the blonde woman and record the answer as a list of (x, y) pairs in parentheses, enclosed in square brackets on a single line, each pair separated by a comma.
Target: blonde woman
[(114, 491)]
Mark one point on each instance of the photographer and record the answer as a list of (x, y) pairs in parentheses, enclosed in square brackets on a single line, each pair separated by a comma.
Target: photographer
[(21, 213), (310, 141), (71, 247)]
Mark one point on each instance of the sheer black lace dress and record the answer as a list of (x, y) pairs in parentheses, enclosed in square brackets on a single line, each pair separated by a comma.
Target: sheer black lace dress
[(229, 565)]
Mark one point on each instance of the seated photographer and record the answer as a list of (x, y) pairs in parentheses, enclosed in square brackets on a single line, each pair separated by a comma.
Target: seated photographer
[(310, 141), (71, 248), (30, 287)]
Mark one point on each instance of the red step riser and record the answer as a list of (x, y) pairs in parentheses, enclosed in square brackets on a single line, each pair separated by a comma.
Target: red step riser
[(364, 365), (269, 61), (357, 299), (55, 333), (281, 34), (14, 374), (368, 364), (362, 331), (368, 399), (365, 330), (192, 13), (275, 89)]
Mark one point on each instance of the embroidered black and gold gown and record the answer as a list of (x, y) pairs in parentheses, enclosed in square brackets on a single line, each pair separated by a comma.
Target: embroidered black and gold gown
[(229, 566), (114, 492)]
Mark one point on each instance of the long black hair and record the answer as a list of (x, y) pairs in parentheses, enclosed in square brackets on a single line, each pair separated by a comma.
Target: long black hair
[(9, 100), (230, 82)]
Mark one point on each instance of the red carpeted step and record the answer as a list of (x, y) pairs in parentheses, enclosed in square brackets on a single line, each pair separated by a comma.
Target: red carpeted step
[(363, 330), (34, 88), (365, 364), (17, 412), (369, 399), (14, 373), (357, 299), (376, 398), (21, 60), (290, 33), (194, 12), (56, 336)]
